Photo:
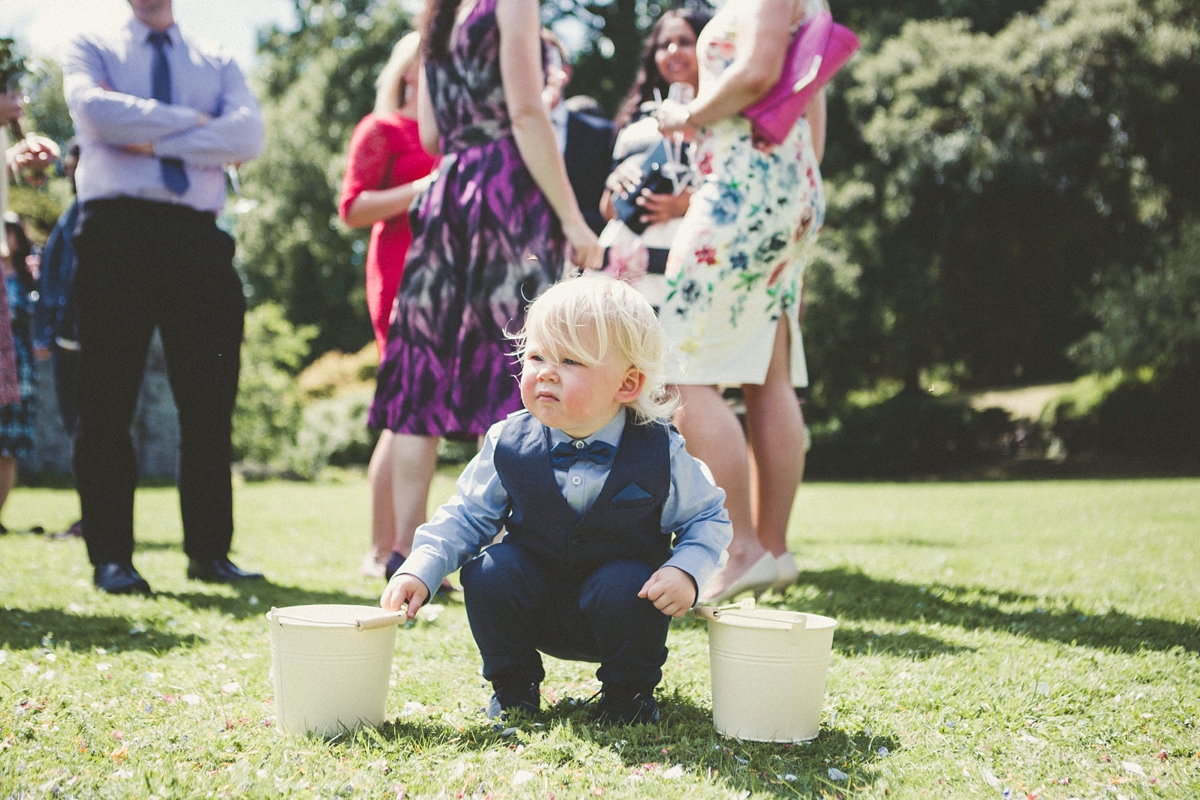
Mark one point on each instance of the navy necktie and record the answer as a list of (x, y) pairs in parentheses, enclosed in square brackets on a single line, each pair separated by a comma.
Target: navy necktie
[(564, 454), (173, 174)]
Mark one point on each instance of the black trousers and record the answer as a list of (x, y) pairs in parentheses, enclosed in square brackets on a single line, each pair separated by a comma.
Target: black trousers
[(141, 265)]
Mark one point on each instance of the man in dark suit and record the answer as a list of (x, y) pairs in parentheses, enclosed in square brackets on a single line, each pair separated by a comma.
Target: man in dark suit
[(585, 140)]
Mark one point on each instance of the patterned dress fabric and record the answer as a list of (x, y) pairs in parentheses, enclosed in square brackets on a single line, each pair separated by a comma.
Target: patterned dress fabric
[(385, 151), (737, 263), (485, 244), (16, 419)]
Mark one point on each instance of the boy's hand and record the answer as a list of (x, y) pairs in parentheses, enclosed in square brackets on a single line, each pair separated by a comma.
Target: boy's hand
[(671, 590), (404, 588)]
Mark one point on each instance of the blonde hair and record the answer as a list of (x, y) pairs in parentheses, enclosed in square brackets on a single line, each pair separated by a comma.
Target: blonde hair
[(582, 318), (389, 86)]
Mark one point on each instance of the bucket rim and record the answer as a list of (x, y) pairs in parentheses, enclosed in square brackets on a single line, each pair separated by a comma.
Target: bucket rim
[(354, 616)]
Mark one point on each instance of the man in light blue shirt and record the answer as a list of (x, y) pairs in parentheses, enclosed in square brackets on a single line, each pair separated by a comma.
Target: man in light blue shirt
[(158, 116)]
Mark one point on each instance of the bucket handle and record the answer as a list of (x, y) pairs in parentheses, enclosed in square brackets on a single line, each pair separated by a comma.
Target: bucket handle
[(715, 613), (394, 618), (361, 624)]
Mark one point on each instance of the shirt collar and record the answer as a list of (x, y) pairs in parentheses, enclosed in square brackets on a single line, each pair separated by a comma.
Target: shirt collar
[(141, 31), (610, 433)]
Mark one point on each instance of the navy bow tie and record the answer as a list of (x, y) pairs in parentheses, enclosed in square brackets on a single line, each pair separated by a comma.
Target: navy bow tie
[(564, 454)]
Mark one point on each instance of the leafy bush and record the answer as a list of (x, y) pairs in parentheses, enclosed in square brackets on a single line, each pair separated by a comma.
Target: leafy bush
[(267, 417), (1143, 416), (909, 434)]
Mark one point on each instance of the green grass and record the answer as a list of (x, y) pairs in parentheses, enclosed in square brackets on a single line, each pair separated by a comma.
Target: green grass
[(1035, 638)]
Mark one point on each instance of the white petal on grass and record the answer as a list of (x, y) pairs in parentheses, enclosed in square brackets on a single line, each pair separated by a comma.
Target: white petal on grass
[(233, 687), (522, 776), (191, 699), (429, 613), (3, 656), (51, 657), (989, 777), (152, 676), (674, 773), (1132, 767), (411, 708), (836, 774)]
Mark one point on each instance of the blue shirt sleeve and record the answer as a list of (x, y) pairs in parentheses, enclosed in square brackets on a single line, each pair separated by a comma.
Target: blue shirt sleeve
[(695, 513), (464, 525)]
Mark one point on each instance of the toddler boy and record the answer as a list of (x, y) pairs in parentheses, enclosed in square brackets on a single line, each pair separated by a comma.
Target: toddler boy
[(612, 528)]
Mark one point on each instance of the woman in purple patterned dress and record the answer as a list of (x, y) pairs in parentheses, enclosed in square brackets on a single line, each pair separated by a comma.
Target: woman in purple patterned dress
[(490, 234)]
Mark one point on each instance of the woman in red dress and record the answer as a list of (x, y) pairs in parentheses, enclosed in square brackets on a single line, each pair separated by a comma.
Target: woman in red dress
[(386, 168)]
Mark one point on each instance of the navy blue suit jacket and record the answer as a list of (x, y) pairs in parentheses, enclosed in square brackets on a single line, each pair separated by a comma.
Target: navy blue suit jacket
[(588, 155)]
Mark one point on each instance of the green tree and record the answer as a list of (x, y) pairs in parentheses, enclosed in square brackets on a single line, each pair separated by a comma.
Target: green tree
[(1005, 176), (316, 84)]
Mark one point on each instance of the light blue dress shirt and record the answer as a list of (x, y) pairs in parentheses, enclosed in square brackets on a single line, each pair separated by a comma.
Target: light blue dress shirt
[(106, 81), (694, 510)]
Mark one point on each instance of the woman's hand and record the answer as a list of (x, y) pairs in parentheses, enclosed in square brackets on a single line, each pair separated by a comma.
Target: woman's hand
[(673, 117), (583, 248), (624, 179), (663, 207)]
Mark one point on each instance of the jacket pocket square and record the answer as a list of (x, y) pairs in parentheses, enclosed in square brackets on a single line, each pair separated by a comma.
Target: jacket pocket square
[(631, 494)]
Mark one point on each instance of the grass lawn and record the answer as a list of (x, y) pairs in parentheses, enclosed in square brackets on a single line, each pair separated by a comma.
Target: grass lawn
[(1009, 639)]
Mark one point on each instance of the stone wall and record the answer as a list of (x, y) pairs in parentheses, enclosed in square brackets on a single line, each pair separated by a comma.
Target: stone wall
[(155, 424)]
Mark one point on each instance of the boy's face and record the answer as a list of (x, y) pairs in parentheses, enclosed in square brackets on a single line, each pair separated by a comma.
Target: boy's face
[(576, 399)]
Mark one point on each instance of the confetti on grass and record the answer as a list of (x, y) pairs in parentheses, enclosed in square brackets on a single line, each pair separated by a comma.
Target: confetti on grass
[(836, 774)]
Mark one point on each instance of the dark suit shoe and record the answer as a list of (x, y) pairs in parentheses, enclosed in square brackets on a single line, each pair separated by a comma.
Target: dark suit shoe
[(219, 570), (525, 698), (621, 706), (119, 579)]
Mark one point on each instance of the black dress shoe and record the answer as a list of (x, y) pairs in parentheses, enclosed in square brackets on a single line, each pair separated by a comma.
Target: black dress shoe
[(219, 570), (119, 579)]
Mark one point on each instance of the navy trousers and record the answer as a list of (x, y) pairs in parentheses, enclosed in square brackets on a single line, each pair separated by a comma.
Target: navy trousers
[(142, 265), (518, 605)]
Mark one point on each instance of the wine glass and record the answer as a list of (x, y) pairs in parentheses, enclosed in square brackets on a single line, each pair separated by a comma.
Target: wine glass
[(682, 93)]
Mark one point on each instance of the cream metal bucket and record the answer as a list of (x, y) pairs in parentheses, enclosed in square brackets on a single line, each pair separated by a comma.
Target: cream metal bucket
[(768, 671), (331, 666)]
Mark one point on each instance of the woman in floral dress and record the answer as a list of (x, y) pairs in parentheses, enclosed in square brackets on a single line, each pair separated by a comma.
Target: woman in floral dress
[(491, 232), (734, 278)]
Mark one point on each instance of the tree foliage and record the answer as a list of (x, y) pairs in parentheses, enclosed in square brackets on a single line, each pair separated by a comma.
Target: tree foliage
[(994, 182), (316, 84)]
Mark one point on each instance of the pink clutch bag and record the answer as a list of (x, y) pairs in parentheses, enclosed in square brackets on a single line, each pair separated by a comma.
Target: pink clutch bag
[(818, 50)]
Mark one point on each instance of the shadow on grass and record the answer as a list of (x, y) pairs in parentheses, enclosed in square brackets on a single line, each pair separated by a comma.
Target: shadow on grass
[(852, 595), (27, 630), (684, 737), (256, 598)]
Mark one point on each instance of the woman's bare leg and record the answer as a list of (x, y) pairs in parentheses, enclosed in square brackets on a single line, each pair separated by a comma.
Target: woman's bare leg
[(715, 436), (776, 432), (383, 512), (8, 478), (414, 459)]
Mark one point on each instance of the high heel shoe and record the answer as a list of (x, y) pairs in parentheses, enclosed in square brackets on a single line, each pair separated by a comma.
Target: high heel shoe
[(761, 576), (788, 572)]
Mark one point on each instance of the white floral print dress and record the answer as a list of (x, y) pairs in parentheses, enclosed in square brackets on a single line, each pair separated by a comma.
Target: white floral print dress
[(738, 260)]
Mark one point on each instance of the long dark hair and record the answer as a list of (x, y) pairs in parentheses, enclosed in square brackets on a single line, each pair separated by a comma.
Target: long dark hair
[(439, 23), (24, 247), (648, 79)]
